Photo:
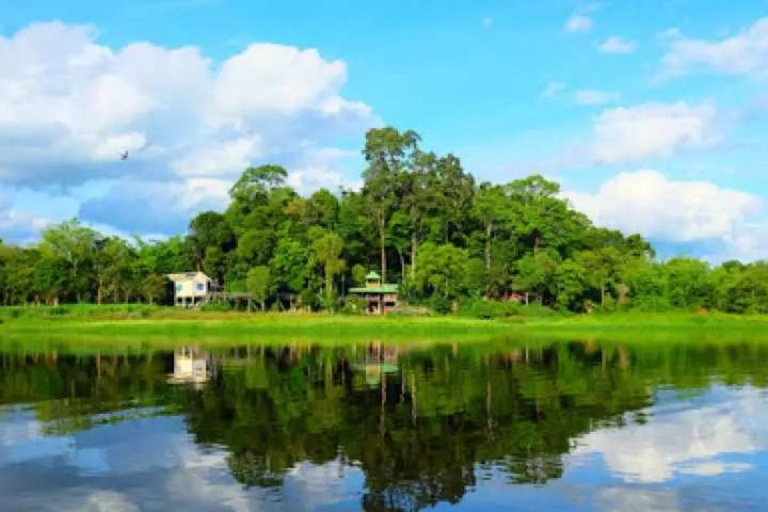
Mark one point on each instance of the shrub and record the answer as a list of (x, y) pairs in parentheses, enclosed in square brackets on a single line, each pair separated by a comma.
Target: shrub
[(57, 311), (409, 311), (354, 306), (217, 306), (441, 305), (485, 309)]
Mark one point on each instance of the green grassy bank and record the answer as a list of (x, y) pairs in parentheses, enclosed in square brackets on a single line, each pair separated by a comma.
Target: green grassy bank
[(138, 324)]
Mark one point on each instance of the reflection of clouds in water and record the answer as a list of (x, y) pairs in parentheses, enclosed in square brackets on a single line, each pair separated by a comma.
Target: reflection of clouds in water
[(308, 485), (22, 439), (637, 500), (127, 466), (204, 479), (715, 468), (108, 501), (683, 441)]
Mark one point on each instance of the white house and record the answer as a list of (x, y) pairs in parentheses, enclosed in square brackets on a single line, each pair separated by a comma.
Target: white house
[(190, 288)]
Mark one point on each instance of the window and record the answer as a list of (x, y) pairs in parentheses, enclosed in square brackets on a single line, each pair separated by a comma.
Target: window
[(200, 287), (179, 287)]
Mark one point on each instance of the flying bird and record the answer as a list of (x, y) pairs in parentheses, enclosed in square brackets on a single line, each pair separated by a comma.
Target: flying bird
[(124, 156)]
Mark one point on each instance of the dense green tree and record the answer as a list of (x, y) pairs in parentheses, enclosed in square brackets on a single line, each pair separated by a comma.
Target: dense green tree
[(326, 252), (75, 245), (389, 154), (487, 239), (442, 270), (258, 284)]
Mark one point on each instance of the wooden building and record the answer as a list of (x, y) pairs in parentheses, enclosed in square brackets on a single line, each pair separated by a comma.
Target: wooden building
[(380, 298)]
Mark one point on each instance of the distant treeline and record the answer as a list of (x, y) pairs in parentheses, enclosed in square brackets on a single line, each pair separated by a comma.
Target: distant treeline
[(419, 219)]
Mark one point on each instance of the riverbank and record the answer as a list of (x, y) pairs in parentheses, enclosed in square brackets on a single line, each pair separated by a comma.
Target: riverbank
[(132, 324)]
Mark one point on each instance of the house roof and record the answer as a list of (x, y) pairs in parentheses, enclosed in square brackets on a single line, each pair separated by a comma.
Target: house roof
[(187, 276), (384, 288), (373, 276)]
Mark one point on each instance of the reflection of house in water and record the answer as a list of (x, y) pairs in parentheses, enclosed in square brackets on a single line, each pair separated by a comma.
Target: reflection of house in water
[(191, 366), (377, 360)]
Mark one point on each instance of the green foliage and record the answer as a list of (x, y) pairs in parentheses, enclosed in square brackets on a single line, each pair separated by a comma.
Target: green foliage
[(258, 284), (420, 219), (486, 309), (217, 307), (441, 270)]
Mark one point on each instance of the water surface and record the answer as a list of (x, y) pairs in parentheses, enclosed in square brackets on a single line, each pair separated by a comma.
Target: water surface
[(561, 426)]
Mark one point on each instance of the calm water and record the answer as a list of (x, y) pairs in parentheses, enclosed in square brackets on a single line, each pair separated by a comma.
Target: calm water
[(573, 426)]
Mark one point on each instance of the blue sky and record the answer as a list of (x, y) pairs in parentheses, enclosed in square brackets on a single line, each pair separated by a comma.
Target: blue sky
[(651, 114)]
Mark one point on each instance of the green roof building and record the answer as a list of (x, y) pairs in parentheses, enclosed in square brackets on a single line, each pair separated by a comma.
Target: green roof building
[(379, 297)]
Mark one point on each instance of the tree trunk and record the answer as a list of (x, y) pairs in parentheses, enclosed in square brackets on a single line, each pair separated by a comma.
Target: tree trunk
[(488, 233), (413, 255), (602, 293), (402, 265), (382, 240), (99, 292)]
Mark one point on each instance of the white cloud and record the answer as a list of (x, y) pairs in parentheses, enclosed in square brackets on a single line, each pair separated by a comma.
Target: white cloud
[(653, 130), (579, 22), (227, 158), (268, 78), (665, 210), (18, 225), (592, 97), (743, 54), (70, 106), (156, 207), (317, 169), (678, 441), (617, 45)]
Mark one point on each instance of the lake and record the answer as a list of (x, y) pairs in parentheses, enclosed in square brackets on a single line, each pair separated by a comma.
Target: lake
[(466, 427)]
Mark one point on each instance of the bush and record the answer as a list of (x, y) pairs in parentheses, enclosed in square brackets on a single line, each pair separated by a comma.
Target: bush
[(536, 310), (57, 311), (410, 311), (217, 306), (485, 309), (441, 305), (354, 306)]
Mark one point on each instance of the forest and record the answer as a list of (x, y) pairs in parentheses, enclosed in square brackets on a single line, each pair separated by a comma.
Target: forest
[(419, 219)]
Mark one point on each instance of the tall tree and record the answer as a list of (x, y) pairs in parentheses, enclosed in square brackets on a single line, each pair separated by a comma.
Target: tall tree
[(258, 284), (326, 251), (389, 153), (73, 243)]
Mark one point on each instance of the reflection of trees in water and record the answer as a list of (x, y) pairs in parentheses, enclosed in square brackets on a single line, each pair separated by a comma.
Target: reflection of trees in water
[(418, 431)]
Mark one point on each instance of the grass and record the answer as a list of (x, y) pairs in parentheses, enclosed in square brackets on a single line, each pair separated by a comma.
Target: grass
[(142, 326)]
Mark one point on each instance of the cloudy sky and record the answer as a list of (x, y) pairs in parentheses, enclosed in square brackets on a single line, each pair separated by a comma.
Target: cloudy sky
[(653, 115)]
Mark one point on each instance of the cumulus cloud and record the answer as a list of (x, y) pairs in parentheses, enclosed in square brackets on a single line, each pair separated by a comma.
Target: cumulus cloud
[(682, 441), (653, 130), (617, 45), (70, 106), (18, 225), (579, 22), (155, 207), (681, 212), (746, 53), (593, 97)]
